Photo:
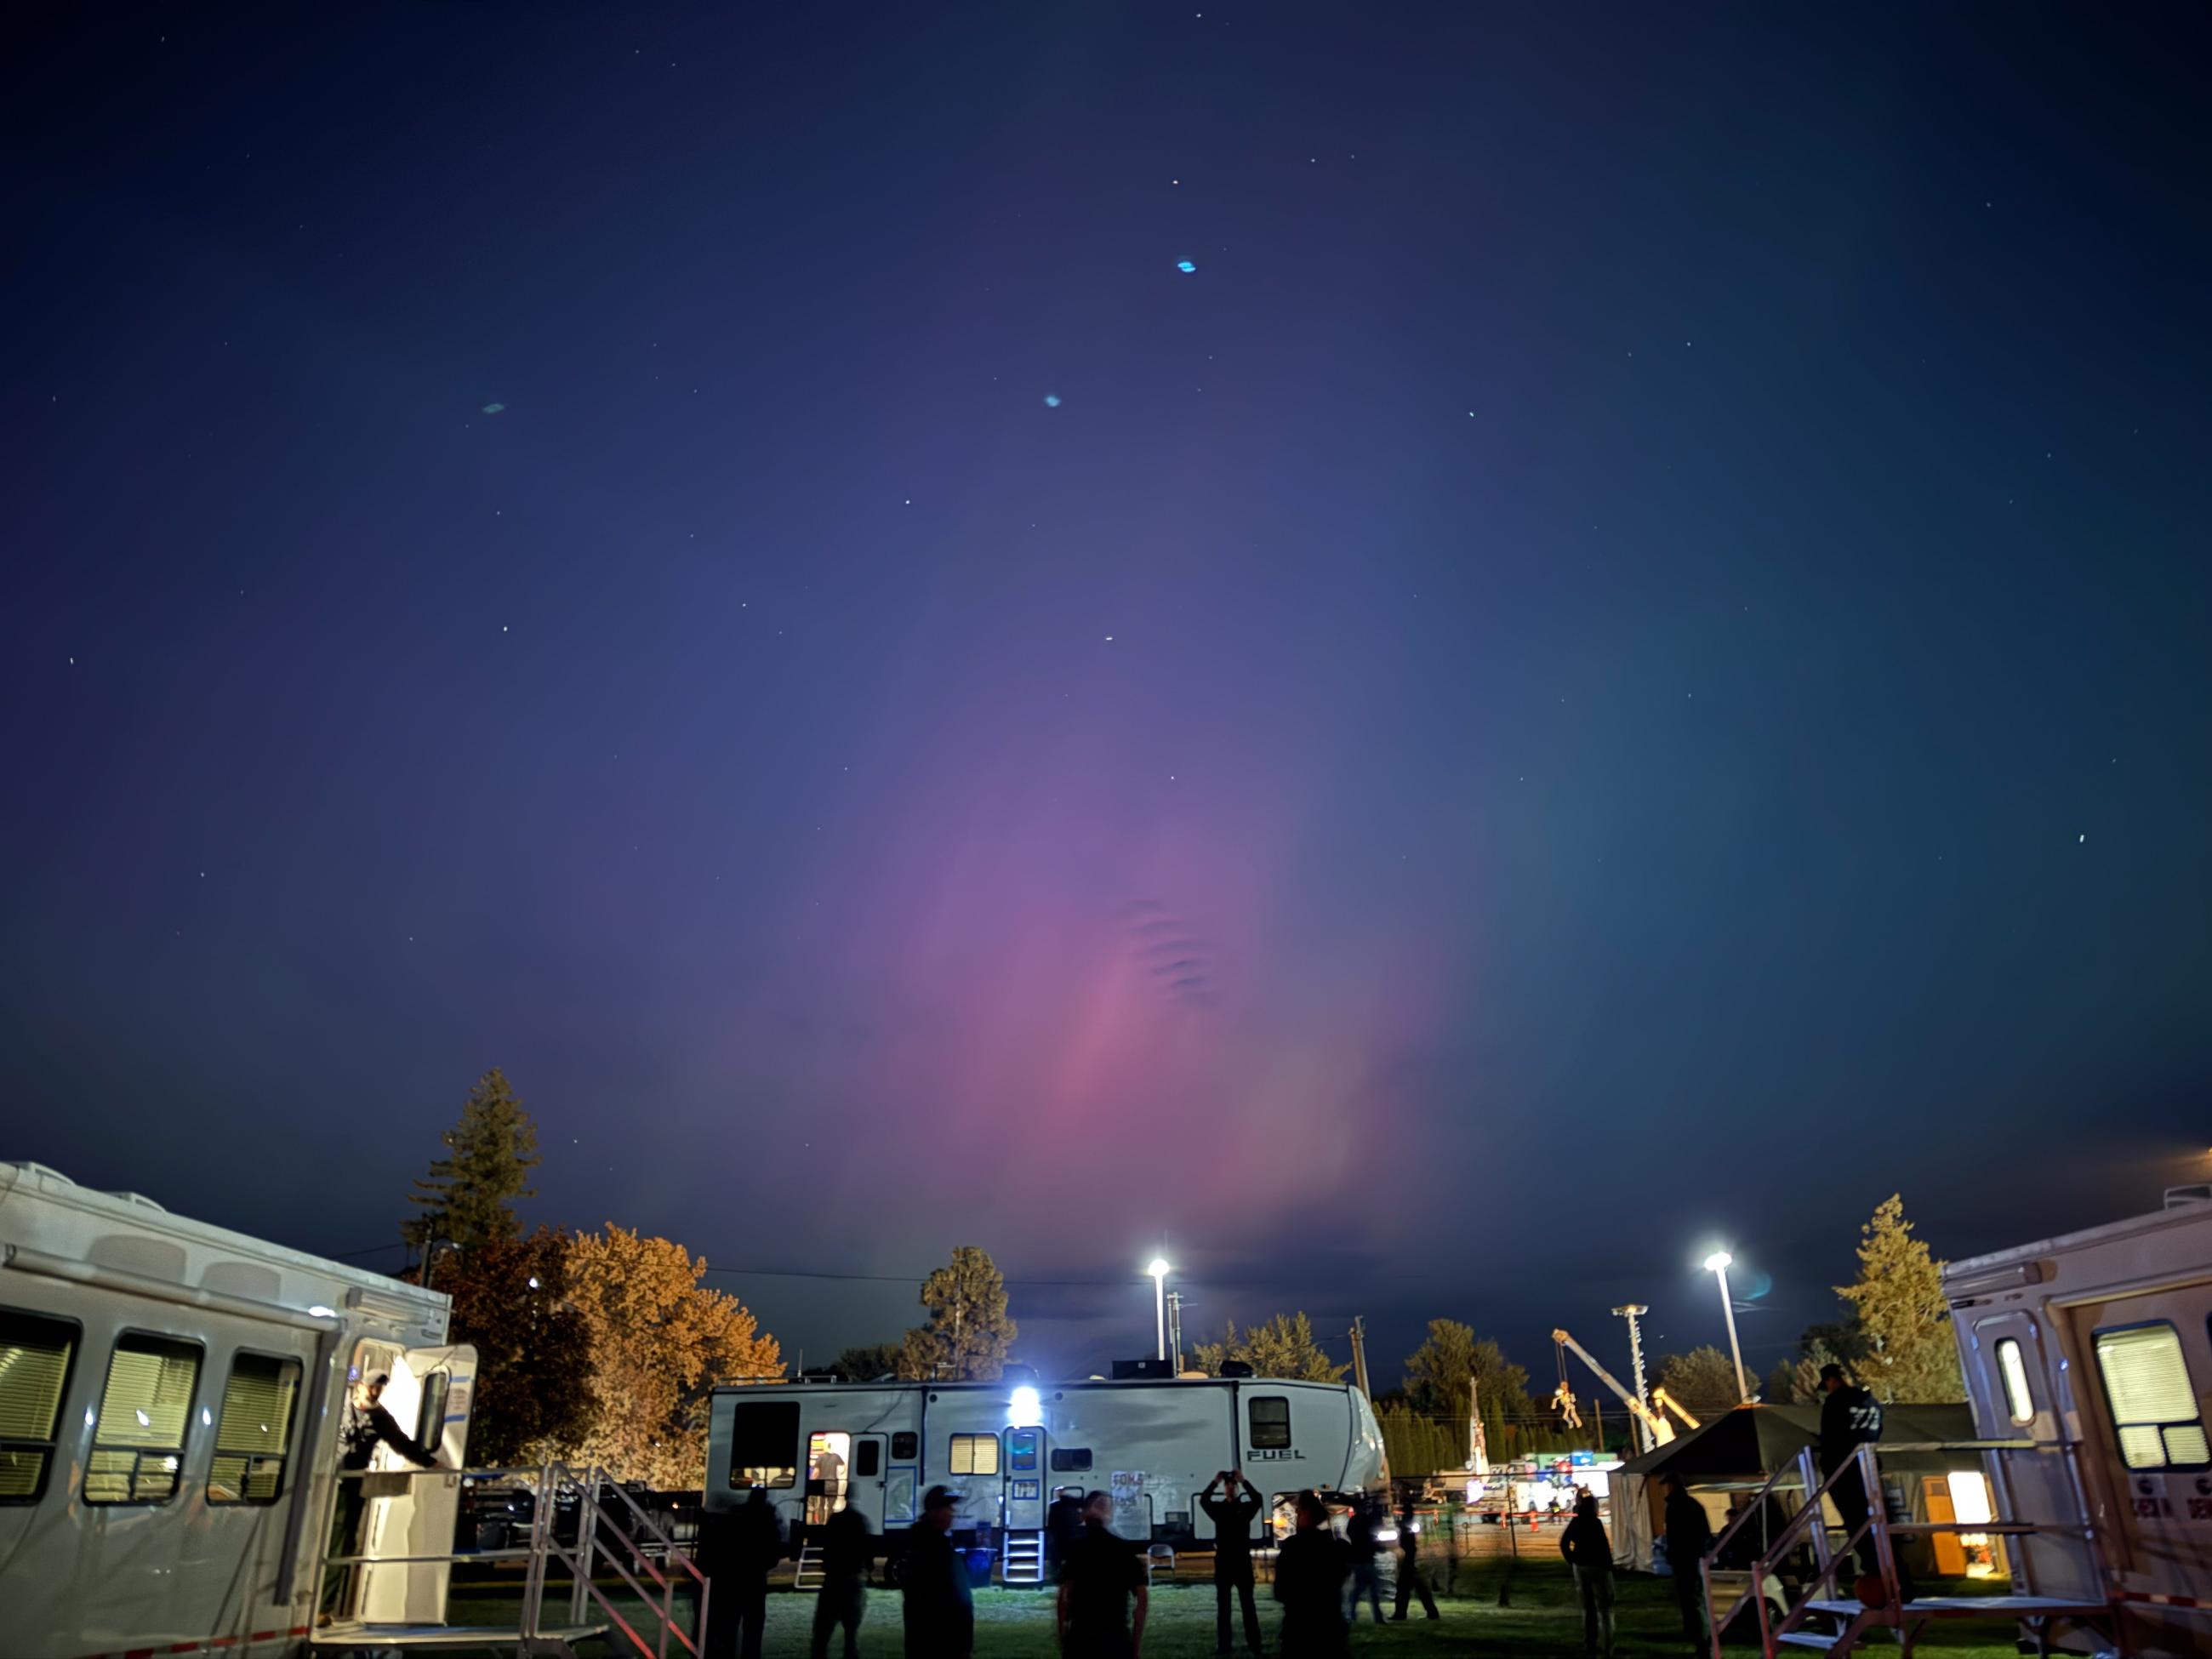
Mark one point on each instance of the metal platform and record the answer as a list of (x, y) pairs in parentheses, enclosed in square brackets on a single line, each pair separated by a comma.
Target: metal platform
[(1972, 1607), (352, 1635)]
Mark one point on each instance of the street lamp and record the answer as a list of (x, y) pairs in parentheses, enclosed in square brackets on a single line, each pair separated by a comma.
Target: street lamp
[(1716, 1264), (1158, 1270)]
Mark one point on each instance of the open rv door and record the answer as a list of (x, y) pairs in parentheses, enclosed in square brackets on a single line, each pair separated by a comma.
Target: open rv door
[(415, 1512)]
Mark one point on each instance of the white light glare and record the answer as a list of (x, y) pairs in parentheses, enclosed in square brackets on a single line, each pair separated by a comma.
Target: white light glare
[(1025, 1409), (1159, 1267), (1716, 1261), (533, 1281), (318, 1311)]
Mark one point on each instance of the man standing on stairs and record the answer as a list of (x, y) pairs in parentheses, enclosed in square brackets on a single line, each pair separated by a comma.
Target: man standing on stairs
[(1232, 1514), (849, 1549)]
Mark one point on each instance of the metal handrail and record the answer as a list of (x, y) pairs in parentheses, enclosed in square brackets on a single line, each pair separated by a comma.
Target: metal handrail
[(1809, 1523)]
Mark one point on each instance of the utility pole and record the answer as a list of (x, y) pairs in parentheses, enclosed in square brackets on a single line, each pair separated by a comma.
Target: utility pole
[(1360, 1354), (1174, 1328), (1641, 1428)]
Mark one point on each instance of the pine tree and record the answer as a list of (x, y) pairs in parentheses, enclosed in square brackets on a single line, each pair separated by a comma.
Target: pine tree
[(492, 1151), (968, 1330), (1899, 1303), (1281, 1346)]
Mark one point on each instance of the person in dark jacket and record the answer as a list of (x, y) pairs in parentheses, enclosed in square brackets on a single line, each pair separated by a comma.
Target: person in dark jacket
[(1063, 1527), (1366, 1574), (1232, 1514), (1101, 1573), (737, 1548), (849, 1549), (1689, 1537), (1410, 1582), (367, 1425), (1850, 1417), (940, 1610), (1311, 1570), (1589, 1553)]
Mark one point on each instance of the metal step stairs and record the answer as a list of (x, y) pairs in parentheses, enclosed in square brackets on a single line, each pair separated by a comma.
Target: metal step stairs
[(1021, 1558), (810, 1576)]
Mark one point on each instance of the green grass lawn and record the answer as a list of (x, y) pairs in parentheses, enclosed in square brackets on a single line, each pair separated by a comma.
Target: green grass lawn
[(1540, 1620)]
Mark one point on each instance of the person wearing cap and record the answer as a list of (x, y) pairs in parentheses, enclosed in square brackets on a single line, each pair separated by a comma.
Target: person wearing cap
[(940, 1612), (1309, 1573), (367, 1425), (1101, 1572)]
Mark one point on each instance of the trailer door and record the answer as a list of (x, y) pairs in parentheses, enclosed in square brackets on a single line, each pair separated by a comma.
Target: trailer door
[(2014, 1393), (1025, 1499), (865, 1481), (429, 1395)]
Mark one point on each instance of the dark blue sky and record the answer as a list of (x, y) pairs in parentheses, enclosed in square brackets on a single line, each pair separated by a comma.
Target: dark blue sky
[(1622, 664)]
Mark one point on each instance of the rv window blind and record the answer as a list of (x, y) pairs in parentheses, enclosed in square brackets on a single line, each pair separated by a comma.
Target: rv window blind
[(974, 1454), (255, 1430), (35, 1363), (2153, 1406), (138, 1440), (1067, 1460)]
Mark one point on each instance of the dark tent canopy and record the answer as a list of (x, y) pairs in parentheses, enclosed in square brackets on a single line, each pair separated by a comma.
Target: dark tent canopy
[(1760, 1439)]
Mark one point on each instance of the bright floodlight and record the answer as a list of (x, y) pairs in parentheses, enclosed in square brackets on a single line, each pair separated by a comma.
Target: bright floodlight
[(1025, 1409), (1716, 1261), (1159, 1267)]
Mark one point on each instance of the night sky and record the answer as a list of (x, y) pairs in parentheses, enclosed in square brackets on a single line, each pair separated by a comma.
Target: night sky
[(1620, 663)]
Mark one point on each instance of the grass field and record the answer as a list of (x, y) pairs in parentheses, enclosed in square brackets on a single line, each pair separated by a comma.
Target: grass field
[(1540, 1621)]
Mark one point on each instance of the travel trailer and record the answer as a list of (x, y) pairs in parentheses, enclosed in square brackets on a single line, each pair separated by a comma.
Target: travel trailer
[(2095, 1348), (1008, 1447), (171, 1399)]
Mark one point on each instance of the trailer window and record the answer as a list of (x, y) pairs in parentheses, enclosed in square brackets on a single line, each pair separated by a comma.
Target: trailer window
[(974, 1454), (1270, 1417), (138, 1439), (2153, 1407), (34, 1367), (906, 1446), (1068, 1459), (764, 1444), (867, 1458), (2012, 1372), (254, 1434)]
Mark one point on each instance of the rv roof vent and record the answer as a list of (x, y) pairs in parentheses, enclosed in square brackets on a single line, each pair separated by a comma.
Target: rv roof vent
[(2176, 1197), (821, 1377), (1234, 1368), (141, 1200), (46, 1169)]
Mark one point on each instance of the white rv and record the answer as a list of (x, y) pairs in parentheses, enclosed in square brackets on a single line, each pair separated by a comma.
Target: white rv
[(171, 1397), (1008, 1447), (2096, 1347)]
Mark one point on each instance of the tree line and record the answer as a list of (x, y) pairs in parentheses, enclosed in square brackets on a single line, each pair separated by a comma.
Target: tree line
[(602, 1347)]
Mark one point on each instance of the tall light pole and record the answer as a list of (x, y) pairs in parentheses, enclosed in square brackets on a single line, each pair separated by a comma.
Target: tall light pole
[(1716, 1264), (1158, 1270)]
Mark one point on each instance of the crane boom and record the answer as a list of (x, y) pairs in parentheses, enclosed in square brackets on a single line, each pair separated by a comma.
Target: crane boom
[(1655, 1423), (1666, 1402)]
